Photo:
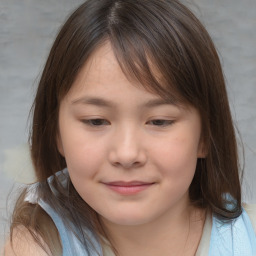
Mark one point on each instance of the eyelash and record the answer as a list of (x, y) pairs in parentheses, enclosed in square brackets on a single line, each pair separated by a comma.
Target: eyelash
[(97, 122), (161, 122)]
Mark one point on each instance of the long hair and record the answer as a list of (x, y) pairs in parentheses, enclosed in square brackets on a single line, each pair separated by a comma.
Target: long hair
[(164, 47)]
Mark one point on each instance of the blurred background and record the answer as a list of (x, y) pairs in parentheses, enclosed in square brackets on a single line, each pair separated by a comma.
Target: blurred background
[(27, 30)]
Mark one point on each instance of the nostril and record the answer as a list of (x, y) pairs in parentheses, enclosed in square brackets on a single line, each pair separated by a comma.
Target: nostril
[(137, 164), (127, 165)]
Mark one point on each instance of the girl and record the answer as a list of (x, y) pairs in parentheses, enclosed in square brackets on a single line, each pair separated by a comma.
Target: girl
[(132, 141)]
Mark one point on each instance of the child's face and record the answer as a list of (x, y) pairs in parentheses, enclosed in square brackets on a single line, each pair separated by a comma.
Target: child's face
[(130, 155)]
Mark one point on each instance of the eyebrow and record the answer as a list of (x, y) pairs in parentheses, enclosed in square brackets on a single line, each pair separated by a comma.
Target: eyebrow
[(106, 103), (158, 102), (93, 101)]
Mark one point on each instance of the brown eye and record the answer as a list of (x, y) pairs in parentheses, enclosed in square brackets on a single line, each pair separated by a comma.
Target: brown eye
[(96, 122), (160, 122)]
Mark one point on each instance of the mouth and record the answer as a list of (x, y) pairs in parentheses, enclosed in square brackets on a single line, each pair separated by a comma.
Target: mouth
[(128, 188)]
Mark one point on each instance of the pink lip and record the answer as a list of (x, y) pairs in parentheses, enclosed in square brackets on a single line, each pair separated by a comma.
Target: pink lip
[(128, 188)]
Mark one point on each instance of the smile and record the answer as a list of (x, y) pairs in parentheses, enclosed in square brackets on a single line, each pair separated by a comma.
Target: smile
[(128, 188)]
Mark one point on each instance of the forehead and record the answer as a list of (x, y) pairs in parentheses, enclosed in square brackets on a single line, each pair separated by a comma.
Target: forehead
[(102, 82), (100, 64), (104, 68)]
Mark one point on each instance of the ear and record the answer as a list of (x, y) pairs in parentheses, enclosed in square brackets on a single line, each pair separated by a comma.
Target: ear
[(60, 145), (202, 151)]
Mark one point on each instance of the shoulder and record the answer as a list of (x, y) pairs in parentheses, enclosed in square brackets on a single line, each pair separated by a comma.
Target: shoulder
[(236, 237), (23, 243), (251, 211)]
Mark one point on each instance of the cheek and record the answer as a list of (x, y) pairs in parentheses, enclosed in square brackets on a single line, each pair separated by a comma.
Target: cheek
[(82, 156), (84, 165), (83, 161), (177, 165), (177, 157)]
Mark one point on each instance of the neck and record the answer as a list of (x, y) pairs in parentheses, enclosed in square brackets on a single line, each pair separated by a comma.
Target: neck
[(179, 234)]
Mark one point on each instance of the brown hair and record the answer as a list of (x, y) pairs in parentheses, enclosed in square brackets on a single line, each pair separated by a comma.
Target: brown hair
[(146, 35)]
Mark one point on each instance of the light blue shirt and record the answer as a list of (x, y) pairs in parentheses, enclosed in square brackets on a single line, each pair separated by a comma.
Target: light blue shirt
[(236, 238)]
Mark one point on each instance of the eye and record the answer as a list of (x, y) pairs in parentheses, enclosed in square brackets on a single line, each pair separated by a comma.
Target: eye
[(160, 122), (96, 122)]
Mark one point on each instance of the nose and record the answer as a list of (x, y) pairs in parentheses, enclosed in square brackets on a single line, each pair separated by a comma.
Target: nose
[(127, 149)]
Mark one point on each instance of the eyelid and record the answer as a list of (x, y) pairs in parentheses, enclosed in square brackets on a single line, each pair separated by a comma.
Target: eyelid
[(161, 122), (102, 122)]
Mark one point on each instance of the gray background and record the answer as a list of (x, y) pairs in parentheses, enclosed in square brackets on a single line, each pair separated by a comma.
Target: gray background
[(27, 29)]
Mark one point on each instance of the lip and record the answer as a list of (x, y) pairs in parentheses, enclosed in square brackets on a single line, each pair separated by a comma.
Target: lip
[(128, 188)]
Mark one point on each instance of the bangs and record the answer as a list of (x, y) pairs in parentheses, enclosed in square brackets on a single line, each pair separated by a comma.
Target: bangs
[(142, 68), (149, 55)]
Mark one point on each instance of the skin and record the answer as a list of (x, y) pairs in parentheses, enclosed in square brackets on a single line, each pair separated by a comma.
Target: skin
[(113, 130)]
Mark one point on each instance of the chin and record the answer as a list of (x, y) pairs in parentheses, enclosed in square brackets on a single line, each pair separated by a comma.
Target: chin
[(125, 219)]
